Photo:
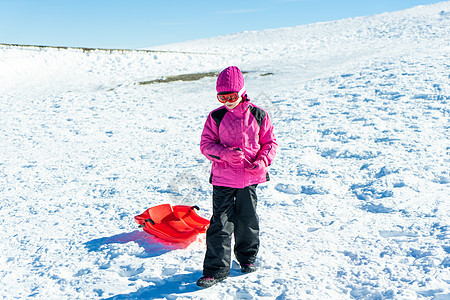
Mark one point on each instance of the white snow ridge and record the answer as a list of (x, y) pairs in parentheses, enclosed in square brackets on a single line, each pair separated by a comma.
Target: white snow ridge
[(358, 202)]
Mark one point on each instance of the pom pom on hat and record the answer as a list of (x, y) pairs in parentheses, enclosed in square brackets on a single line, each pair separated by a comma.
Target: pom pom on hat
[(230, 80)]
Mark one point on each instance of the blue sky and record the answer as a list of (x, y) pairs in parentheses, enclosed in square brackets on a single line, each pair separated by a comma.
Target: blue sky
[(135, 24)]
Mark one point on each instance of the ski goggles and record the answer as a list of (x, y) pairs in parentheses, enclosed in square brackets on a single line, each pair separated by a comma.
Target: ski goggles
[(230, 97)]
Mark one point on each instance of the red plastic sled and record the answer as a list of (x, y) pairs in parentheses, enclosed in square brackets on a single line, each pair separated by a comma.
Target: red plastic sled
[(175, 224)]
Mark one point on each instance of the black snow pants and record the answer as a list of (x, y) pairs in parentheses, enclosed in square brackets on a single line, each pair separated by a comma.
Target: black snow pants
[(234, 210)]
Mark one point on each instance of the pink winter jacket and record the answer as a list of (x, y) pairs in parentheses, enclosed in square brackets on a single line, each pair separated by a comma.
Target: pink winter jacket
[(247, 127)]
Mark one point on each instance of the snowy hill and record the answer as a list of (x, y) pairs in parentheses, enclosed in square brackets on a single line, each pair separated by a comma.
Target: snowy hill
[(358, 205)]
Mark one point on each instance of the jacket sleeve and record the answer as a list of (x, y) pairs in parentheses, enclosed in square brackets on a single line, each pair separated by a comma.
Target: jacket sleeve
[(268, 141), (210, 143)]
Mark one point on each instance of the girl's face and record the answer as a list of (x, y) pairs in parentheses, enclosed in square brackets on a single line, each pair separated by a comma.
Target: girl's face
[(232, 105)]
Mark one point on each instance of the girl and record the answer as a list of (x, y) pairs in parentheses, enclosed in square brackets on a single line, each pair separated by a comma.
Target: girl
[(238, 138)]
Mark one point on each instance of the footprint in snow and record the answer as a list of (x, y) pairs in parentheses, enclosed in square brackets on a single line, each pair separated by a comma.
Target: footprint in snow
[(304, 189), (287, 189)]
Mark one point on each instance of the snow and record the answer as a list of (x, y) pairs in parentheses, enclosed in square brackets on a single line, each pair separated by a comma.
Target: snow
[(358, 202)]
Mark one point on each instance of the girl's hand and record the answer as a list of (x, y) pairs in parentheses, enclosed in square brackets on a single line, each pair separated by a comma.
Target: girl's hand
[(257, 167), (233, 156)]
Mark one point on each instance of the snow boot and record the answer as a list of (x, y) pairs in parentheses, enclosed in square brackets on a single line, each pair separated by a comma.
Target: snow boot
[(207, 281), (248, 268)]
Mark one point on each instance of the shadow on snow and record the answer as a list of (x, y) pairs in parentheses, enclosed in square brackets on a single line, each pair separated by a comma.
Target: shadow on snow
[(152, 245), (177, 284), (174, 285)]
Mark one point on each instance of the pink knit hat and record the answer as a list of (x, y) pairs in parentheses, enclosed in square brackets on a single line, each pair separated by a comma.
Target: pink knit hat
[(231, 80)]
